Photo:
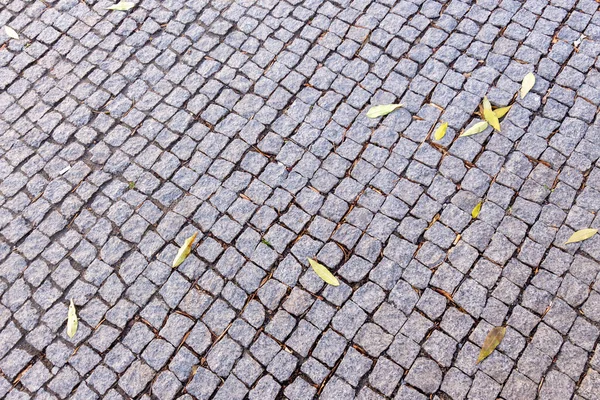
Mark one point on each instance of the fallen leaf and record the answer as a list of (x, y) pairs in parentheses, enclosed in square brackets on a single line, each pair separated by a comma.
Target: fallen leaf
[(122, 6), (475, 129), (582, 235), (527, 84), (445, 294), (380, 111), (492, 341), (501, 112), (457, 239), (491, 117), (184, 250), (266, 242), (579, 40), (72, 320), (476, 210), (323, 273), (486, 104), (11, 32), (440, 132)]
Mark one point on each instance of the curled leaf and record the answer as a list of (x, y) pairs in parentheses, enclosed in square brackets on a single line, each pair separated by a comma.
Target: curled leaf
[(440, 132), (476, 210), (323, 273), (72, 322), (10, 32), (582, 235), (501, 112), (527, 84), (491, 341), (475, 129), (121, 6), (380, 111), (184, 250), (491, 118), (579, 40)]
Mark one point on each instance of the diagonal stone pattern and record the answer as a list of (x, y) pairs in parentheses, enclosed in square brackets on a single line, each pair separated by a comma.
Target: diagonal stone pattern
[(123, 133)]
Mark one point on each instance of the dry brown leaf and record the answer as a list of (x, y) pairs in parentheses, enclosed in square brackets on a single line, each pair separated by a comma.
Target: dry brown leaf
[(492, 341)]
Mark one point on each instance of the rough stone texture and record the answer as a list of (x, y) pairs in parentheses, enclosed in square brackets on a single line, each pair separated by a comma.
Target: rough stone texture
[(124, 132)]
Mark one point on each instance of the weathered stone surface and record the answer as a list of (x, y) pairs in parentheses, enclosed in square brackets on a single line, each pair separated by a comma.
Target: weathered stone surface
[(123, 133)]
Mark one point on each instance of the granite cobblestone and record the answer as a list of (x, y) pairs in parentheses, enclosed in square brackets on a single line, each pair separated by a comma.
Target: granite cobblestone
[(122, 133)]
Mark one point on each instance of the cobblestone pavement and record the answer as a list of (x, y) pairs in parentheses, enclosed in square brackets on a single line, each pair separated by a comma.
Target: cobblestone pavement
[(122, 133)]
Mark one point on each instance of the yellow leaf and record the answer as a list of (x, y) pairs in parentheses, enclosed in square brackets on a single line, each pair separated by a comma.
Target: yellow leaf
[(122, 6), (501, 112), (72, 320), (492, 341), (486, 104), (184, 250), (380, 111), (11, 32), (440, 132), (582, 235), (491, 117), (527, 84), (475, 129), (323, 273), (476, 210)]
